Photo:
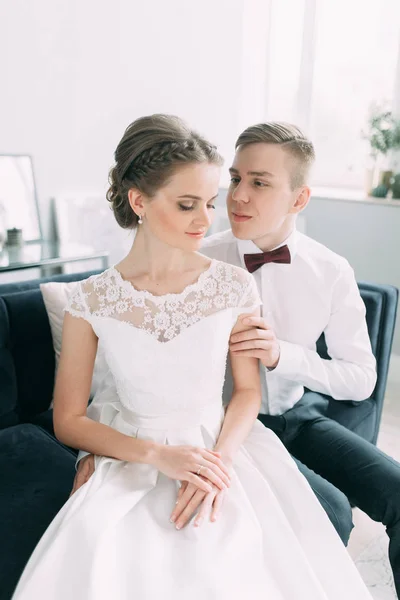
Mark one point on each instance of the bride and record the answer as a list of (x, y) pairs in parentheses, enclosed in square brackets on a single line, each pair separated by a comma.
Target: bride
[(164, 316)]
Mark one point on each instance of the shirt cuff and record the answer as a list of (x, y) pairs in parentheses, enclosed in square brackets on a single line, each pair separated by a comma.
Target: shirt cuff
[(81, 455), (289, 360)]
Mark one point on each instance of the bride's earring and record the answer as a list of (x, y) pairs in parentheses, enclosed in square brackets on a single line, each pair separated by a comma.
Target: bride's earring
[(140, 221)]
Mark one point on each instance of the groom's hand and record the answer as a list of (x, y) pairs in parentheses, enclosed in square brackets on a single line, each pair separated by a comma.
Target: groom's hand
[(84, 472), (258, 342)]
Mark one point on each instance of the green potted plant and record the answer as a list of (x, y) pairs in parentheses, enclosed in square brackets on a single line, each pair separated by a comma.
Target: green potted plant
[(383, 136)]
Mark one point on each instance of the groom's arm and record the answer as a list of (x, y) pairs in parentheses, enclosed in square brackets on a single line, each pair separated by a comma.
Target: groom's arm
[(351, 372)]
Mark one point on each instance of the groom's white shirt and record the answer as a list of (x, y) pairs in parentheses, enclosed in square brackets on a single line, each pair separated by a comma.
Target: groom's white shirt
[(316, 293)]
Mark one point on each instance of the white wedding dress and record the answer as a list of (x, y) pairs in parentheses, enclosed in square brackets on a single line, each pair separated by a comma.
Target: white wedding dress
[(113, 538)]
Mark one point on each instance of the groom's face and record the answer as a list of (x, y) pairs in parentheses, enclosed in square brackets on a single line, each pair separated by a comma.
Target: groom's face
[(261, 197)]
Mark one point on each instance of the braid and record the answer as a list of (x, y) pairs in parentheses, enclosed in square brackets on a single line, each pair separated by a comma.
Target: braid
[(148, 154), (159, 156)]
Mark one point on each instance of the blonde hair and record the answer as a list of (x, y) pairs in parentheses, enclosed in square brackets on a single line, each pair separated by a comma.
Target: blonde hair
[(289, 137)]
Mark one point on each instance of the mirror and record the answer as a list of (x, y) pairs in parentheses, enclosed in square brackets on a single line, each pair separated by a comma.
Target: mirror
[(18, 201)]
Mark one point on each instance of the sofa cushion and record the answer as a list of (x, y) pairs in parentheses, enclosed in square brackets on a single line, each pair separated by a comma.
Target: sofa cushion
[(373, 301), (55, 296), (381, 304), (31, 347), (36, 479), (8, 380), (45, 420), (17, 399)]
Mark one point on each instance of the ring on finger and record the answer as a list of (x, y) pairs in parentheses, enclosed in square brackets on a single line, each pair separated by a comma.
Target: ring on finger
[(198, 470)]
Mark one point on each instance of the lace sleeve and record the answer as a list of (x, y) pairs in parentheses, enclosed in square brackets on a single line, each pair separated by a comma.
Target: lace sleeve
[(76, 304), (251, 298)]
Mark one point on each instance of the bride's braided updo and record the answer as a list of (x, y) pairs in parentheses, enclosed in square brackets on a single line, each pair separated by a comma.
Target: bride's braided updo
[(146, 157)]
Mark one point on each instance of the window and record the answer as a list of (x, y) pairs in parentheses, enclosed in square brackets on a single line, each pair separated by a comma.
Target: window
[(329, 62)]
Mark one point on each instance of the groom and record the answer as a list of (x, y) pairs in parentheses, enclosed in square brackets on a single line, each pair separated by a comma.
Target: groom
[(306, 290)]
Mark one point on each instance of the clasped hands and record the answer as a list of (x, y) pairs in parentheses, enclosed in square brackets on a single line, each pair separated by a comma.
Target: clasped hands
[(191, 498), (203, 474)]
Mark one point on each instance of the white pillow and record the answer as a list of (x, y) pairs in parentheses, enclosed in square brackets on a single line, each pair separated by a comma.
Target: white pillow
[(55, 296)]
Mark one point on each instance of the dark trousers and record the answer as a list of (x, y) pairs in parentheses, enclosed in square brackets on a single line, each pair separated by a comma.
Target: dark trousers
[(342, 469)]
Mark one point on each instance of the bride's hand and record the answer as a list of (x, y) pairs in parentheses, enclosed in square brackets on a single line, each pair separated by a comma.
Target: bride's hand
[(199, 466), (190, 497)]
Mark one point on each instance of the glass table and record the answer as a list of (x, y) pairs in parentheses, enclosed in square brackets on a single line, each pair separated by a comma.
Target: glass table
[(47, 256)]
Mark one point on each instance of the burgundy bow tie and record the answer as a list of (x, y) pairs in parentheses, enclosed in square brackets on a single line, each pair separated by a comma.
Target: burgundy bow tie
[(255, 261)]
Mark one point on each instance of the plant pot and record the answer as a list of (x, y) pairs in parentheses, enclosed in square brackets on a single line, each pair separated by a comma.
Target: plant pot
[(396, 187), (385, 178)]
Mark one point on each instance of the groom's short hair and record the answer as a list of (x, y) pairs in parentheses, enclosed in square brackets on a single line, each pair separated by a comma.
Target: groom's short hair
[(289, 137)]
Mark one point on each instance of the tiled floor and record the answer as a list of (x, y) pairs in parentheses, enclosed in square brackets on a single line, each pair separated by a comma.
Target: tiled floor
[(368, 542)]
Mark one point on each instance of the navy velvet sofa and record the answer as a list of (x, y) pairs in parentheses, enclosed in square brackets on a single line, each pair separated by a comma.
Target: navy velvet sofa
[(36, 471)]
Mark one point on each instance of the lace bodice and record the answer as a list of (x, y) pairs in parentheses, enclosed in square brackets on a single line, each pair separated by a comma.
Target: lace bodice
[(167, 353), (220, 287)]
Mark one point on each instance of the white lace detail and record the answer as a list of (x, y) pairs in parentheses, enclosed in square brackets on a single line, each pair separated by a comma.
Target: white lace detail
[(220, 287), (76, 304)]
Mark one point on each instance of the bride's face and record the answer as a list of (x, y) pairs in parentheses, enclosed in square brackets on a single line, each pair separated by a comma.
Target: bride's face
[(181, 212)]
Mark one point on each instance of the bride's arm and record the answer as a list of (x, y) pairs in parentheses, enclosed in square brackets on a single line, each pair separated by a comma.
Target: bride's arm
[(245, 403), (72, 389), (240, 416), (74, 428)]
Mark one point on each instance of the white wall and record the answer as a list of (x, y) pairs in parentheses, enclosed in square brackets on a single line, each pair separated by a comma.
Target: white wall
[(79, 71)]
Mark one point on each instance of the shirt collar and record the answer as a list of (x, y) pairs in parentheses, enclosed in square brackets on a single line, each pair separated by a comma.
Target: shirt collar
[(249, 247)]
